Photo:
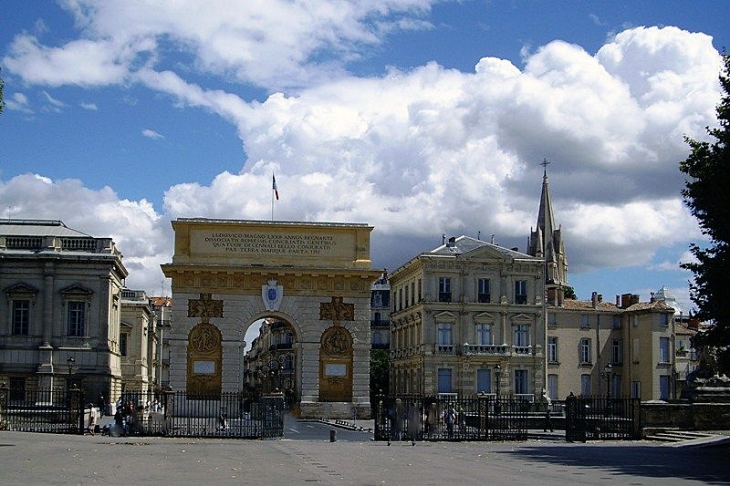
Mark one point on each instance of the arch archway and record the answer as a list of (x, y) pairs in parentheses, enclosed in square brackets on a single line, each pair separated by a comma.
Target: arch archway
[(311, 276)]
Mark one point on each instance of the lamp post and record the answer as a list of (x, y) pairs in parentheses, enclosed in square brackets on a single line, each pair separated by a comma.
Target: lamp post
[(606, 374), (70, 363), (499, 379), (498, 405)]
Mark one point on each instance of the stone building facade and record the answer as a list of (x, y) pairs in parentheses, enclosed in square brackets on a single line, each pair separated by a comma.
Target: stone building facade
[(626, 348), (139, 342), (315, 277), (60, 315), (466, 318)]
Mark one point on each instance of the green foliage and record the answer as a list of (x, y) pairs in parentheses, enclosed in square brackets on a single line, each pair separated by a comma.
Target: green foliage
[(706, 194), (569, 292), (379, 372)]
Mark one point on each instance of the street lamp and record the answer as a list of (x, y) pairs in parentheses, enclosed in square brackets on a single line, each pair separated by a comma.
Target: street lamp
[(70, 363), (498, 405), (606, 374), (499, 379)]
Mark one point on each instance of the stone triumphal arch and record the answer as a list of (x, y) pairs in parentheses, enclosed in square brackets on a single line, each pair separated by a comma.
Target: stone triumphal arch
[(316, 277)]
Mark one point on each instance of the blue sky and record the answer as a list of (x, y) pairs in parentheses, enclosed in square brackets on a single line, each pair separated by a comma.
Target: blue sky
[(419, 117)]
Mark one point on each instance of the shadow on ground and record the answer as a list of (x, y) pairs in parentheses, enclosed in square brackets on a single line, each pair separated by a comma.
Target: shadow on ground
[(710, 465)]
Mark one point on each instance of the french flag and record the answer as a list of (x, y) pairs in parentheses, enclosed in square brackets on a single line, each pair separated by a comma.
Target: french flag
[(273, 186)]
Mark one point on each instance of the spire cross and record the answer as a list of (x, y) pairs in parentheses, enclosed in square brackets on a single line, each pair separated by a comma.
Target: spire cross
[(544, 163)]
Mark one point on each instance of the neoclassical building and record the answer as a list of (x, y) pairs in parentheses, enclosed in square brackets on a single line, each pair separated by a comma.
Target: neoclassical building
[(594, 347), (60, 315), (468, 317)]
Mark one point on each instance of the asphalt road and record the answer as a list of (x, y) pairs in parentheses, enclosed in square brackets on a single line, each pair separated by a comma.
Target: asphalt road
[(29, 459)]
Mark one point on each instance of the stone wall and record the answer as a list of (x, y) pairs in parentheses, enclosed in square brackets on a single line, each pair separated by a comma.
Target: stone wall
[(691, 416)]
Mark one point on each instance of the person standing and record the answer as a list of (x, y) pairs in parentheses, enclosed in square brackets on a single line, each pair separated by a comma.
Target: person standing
[(93, 417)]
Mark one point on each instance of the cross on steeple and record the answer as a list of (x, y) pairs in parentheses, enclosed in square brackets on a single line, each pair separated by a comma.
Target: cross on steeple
[(544, 164)]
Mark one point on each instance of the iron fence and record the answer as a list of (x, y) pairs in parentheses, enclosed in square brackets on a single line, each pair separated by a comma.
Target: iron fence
[(589, 417), (49, 411), (175, 413), (478, 417), (229, 414)]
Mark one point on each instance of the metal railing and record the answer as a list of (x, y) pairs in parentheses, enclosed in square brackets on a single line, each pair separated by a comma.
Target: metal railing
[(590, 417), (478, 417), (236, 415), (48, 411)]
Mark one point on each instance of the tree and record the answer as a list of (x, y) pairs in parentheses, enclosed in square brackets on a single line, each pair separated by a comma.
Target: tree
[(379, 373), (707, 196), (569, 292)]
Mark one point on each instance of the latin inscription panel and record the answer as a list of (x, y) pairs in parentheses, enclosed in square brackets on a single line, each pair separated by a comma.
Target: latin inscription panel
[(266, 246)]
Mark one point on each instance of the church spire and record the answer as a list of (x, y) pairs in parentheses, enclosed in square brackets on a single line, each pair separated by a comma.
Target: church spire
[(546, 242), (545, 218)]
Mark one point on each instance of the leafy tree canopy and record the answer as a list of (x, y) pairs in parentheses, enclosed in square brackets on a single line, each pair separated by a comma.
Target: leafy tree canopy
[(706, 194)]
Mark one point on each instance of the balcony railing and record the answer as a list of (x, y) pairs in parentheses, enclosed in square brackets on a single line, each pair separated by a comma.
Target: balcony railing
[(522, 349), (485, 349), (445, 349)]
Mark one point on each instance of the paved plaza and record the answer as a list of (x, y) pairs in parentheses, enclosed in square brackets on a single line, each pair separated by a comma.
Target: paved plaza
[(30, 458)]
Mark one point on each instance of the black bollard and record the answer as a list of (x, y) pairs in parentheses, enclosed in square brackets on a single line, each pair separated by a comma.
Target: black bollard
[(333, 435)]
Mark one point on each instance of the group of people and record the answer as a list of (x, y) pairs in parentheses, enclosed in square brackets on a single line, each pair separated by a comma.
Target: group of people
[(125, 418)]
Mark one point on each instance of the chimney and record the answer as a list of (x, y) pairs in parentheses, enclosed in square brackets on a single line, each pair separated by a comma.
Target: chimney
[(452, 241), (594, 299), (625, 300)]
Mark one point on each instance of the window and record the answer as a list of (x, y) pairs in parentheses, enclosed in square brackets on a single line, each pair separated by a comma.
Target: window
[(444, 334), (585, 351), (413, 292), (419, 290), (664, 350), (616, 386), (617, 322), (663, 387), (406, 300), (444, 289), (552, 320), (123, 338), (484, 334), (76, 318), (483, 290), (552, 388), (635, 389), (484, 380), (521, 382), (585, 384), (664, 320), (444, 380), (585, 321), (17, 389), (522, 335), (521, 292), (617, 355), (552, 349), (21, 317), (400, 298), (377, 338)]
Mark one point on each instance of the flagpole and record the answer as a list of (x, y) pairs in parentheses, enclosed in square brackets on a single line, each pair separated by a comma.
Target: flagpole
[(272, 198)]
